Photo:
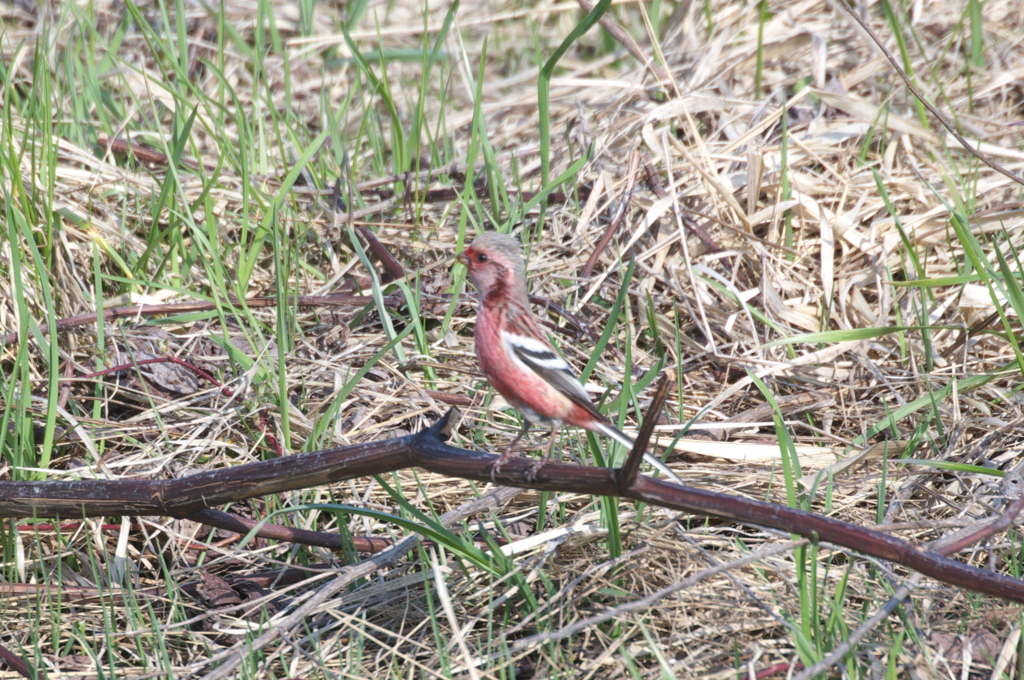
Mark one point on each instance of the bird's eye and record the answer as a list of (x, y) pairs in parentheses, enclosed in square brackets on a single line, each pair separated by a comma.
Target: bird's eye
[(481, 258)]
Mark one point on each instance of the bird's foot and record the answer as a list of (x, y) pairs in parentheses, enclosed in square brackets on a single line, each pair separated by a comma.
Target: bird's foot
[(502, 459), (531, 474)]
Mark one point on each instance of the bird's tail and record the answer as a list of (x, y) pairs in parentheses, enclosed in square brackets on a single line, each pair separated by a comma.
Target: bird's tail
[(609, 430)]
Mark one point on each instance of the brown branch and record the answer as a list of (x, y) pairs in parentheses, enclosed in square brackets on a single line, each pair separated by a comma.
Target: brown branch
[(193, 494), (392, 268), (145, 153), (278, 532), (959, 541), (16, 663), (158, 360), (452, 399), (339, 211)]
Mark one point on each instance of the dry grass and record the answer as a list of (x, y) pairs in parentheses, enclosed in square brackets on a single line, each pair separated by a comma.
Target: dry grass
[(867, 203)]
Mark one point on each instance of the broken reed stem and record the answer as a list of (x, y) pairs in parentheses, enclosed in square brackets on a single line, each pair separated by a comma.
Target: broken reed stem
[(630, 469)]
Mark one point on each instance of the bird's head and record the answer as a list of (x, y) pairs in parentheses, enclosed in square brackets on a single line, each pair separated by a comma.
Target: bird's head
[(494, 262)]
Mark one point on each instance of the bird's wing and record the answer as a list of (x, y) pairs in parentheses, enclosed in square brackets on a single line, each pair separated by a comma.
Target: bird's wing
[(542, 359)]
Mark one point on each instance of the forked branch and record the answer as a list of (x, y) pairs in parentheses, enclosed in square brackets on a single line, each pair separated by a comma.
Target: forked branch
[(193, 494)]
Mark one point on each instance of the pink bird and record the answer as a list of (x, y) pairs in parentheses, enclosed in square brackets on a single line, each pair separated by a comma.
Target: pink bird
[(519, 361)]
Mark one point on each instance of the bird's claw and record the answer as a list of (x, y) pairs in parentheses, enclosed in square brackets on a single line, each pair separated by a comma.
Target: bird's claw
[(496, 468), (531, 474), (500, 463)]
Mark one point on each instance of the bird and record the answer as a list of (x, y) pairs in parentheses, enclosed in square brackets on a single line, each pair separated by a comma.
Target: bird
[(517, 359)]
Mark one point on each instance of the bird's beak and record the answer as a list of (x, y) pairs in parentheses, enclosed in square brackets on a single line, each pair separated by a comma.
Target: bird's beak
[(463, 258)]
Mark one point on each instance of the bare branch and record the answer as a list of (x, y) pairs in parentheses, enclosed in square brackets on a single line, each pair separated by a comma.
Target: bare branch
[(189, 495)]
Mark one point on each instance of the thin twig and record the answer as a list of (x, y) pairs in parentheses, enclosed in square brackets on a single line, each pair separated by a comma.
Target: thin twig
[(852, 12)]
